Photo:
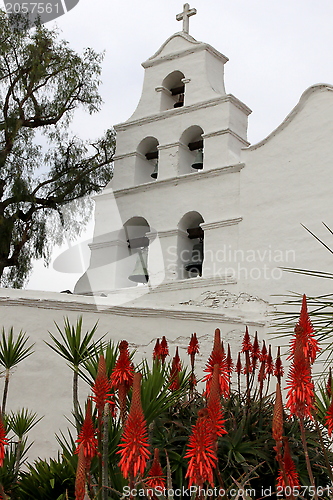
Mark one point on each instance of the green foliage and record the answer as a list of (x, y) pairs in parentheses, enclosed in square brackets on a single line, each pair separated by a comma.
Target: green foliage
[(90, 364), (74, 347), (249, 444), (53, 480), (320, 306), (246, 454), (13, 351), (45, 172), (156, 397), (8, 476), (22, 421)]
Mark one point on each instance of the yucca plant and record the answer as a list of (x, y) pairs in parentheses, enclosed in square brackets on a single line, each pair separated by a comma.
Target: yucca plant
[(8, 478), (320, 306), (75, 347), (12, 352), (21, 423)]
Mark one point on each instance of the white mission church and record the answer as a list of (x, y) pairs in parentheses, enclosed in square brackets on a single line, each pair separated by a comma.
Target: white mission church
[(194, 228)]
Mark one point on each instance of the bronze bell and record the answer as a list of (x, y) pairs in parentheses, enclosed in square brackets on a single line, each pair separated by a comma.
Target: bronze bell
[(198, 162), (155, 172), (180, 101), (140, 271), (195, 264)]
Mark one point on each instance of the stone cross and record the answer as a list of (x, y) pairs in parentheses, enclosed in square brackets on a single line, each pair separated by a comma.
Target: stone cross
[(185, 15)]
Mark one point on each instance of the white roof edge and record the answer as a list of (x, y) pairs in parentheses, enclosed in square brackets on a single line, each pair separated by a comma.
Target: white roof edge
[(318, 87), (187, 37), (155, 59)]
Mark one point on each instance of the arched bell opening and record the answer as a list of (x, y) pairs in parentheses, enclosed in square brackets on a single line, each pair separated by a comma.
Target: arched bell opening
[(146, 168), (190, 245), (173, 91), (191, 154), (135, 231)]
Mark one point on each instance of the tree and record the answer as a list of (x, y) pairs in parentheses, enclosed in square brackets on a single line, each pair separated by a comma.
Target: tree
[(45, 173)]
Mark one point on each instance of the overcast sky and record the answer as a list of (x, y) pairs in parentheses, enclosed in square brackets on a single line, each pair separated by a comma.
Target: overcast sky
[(276, 50)]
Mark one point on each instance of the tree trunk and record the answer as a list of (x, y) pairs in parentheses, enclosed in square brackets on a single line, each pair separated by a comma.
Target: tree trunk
[(5, 392), (6, 236), (76, 397), (18, 458)]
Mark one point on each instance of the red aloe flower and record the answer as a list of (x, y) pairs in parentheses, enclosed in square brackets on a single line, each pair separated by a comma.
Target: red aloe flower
[(102, 389), (278, 370), (86, 438), (122, 376), (304, 330), (277, 426), (164, 349), (247, 346), (214, 406), (329, 418), (255, 353), (155, 478), (263, 354), (201, 452), (289, 469), (304, 347), (123, 370), (193, 348), (3, 441), (329, 384), (176, 368), (134, 440), (217, 357), (230, 363), (157, 350), (80, 479), (238, 368), (300, 396), (269, 362)]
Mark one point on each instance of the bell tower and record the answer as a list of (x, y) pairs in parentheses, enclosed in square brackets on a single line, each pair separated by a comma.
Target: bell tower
[(172, 207)]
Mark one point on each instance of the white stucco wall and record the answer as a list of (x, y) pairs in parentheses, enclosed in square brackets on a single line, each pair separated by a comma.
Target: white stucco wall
[(287, 181), (43, 382)]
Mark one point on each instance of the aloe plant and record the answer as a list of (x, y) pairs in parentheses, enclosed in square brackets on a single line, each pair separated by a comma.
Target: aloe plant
[(52, 480)]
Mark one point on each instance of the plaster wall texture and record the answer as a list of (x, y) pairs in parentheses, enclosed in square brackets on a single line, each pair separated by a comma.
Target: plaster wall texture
[(218, 120), (286, 182), (153, 203)]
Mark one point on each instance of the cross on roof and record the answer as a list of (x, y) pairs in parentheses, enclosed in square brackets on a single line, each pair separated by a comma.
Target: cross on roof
[(185, 15)]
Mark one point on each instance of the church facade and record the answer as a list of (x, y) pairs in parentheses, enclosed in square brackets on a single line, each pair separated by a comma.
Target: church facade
[(192, 208), (194, 229)]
